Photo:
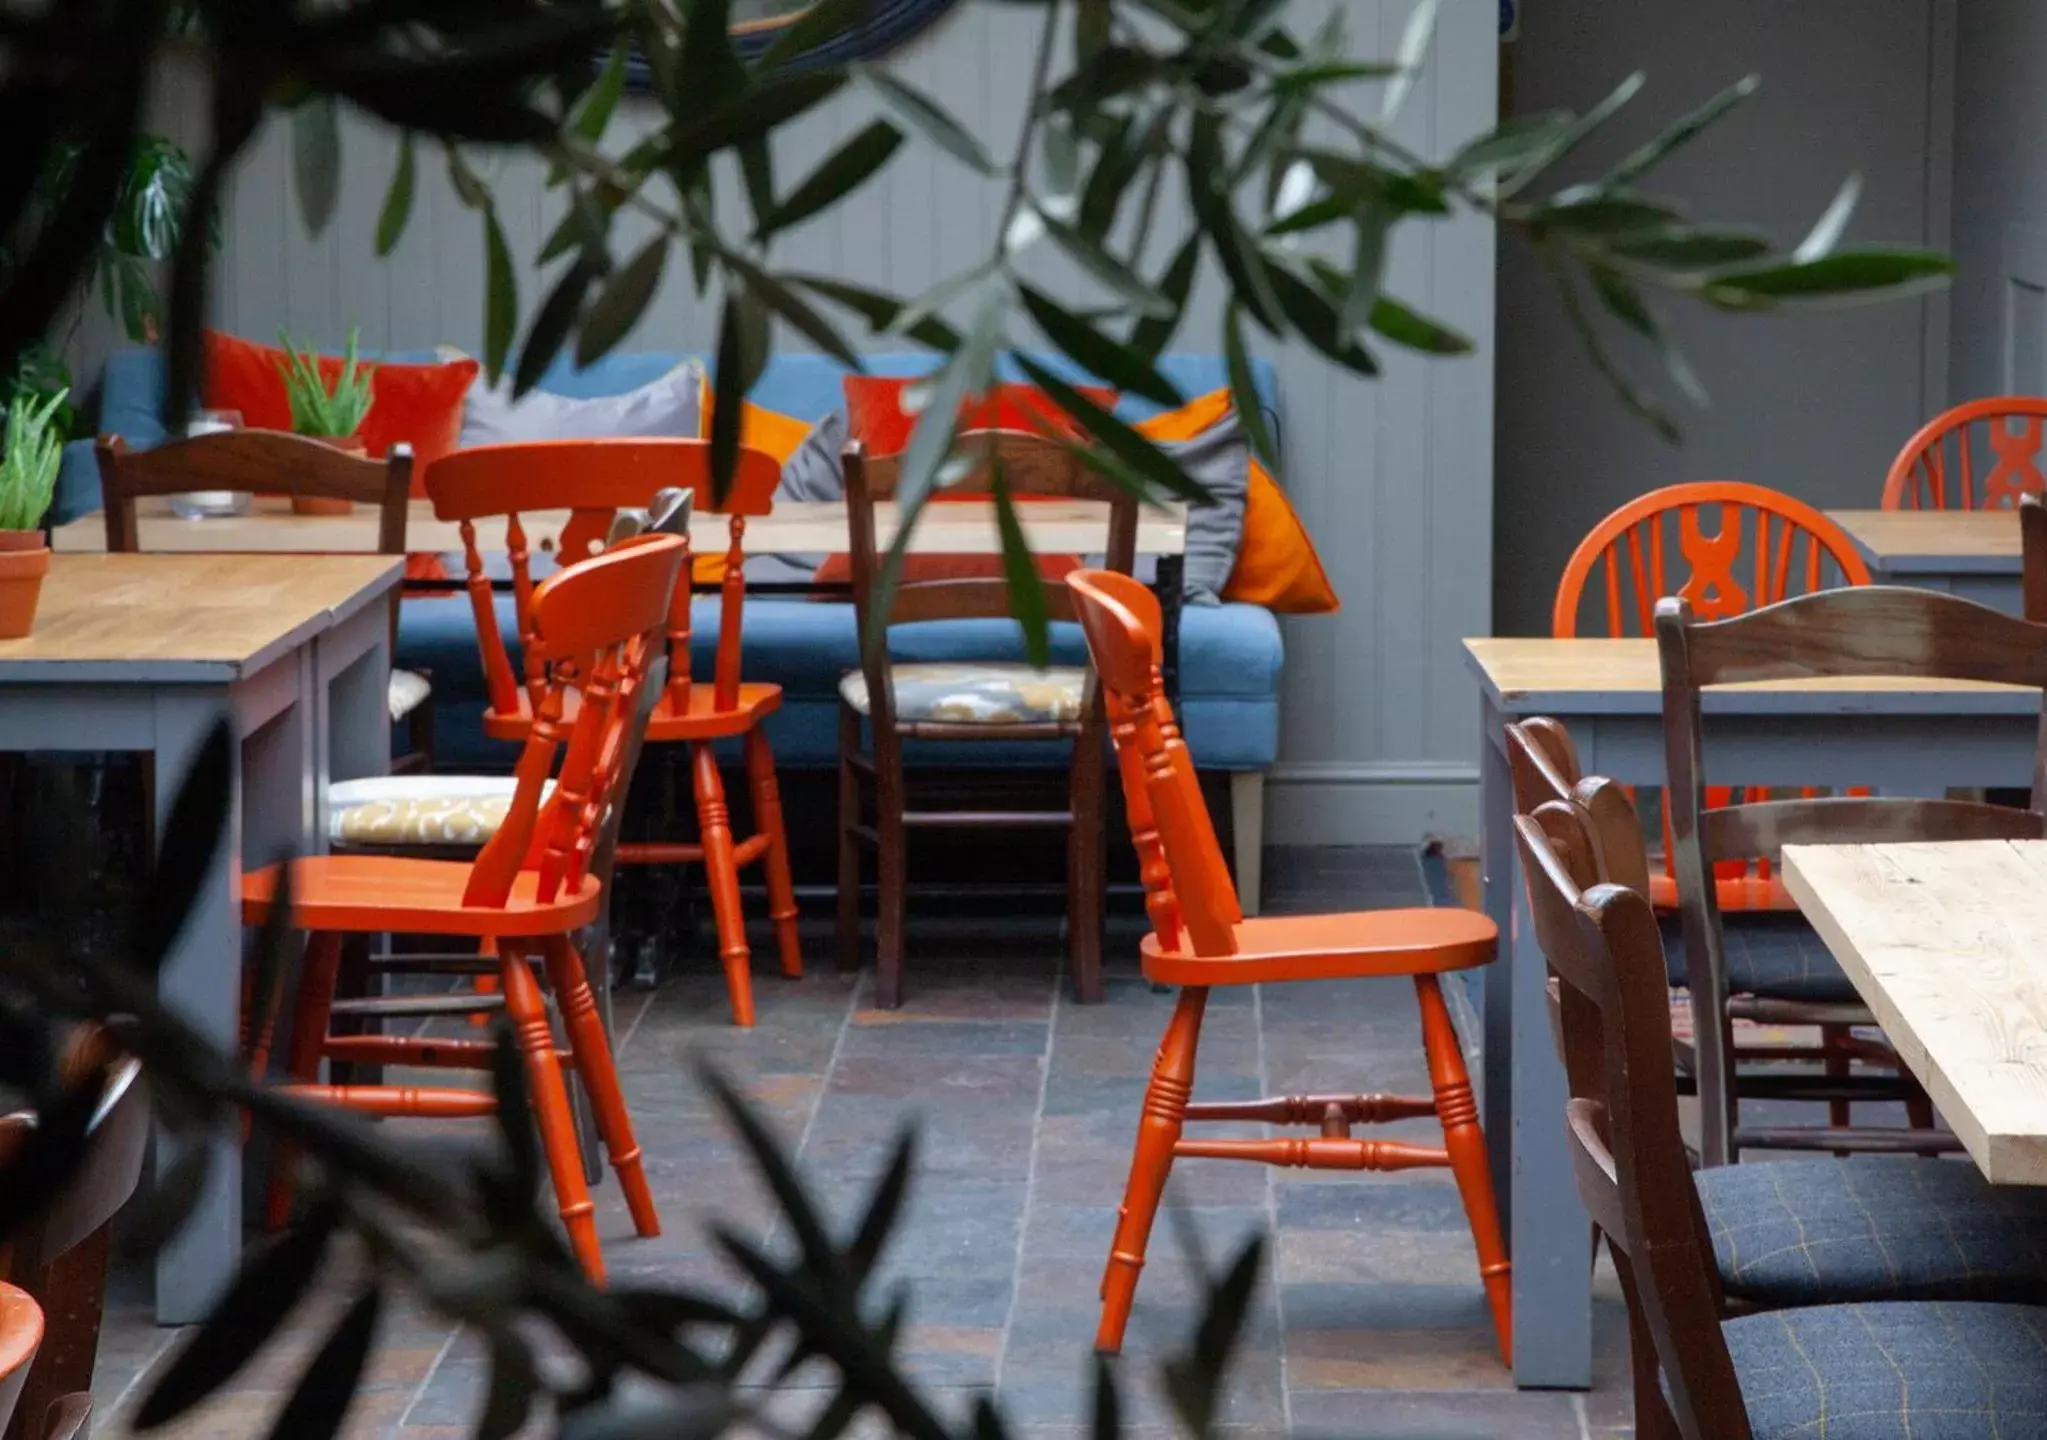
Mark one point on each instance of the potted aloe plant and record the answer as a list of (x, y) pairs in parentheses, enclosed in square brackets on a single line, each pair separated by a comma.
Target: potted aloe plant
[(332, 413), (28, 478)]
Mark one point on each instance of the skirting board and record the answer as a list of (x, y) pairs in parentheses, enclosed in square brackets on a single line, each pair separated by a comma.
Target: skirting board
[(1388, 802)]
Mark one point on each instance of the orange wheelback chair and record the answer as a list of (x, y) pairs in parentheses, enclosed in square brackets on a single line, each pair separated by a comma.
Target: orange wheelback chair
[(1200, 940), (592, 480), (592, 632), (1937, 468)]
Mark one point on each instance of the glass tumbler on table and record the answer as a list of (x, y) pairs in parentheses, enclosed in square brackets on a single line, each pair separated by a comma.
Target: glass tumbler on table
[(200, 504)]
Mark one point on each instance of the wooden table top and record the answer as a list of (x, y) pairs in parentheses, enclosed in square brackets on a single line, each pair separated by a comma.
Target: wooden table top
[(1621, 677), (186, 617), (1947, 944), (957, 527), (1900, 542)]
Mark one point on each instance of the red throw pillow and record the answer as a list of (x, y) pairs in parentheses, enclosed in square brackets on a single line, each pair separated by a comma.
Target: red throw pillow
[(416, 405), (876, 418)]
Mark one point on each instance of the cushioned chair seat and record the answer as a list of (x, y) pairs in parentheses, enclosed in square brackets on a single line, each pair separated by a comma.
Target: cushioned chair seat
[(408, 691), (976, 694), (461, 810), (1775, 956), (1893, 1371), (1806, 1232)]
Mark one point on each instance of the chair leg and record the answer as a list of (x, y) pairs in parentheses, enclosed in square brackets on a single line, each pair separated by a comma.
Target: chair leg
[(600, 1079), (1465, 1143), (1086, 864), (721, 872), (1711, 1051), (1839, 1065), (848, 934), (1158, 1131), (767, 814), (309, 1033), (528, 1012), (890, 883)]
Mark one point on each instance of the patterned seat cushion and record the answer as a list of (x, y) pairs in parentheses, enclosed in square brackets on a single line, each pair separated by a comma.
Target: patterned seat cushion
[(956, 694), (462, 810), (1776, 956), (407, 692), (1807, 1232), (1893, 1371)]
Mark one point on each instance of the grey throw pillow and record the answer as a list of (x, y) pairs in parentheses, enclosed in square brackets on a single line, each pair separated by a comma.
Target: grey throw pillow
[(1219, 458), (667, 407), (814, 472)]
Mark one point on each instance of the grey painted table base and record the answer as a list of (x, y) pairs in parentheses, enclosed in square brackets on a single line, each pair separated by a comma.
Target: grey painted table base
[(1913, 743), (314, 712)]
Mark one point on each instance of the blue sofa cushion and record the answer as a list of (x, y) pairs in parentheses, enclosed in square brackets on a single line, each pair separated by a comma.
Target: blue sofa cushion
[(1230, 659)]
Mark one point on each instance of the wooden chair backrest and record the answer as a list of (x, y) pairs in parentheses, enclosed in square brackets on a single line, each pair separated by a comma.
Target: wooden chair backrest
[(271, 461), (1187, 888), (595, 630), (1927, 476), (2033, 545), (1788, 546), (1544, 762), (1603, 946), (593, 480), (61, 1256)]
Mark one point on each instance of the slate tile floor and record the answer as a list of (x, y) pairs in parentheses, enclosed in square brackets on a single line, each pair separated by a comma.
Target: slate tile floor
[(1369, 1322)]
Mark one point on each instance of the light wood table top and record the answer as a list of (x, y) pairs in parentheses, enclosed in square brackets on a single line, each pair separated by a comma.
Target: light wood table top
[(1530, 676), (958, 527), (1900, 542), (186, 617), (1947, 944)]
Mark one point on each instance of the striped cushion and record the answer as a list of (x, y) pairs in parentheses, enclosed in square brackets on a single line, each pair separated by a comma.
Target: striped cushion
[(1811, 1232), (1893, 1372)]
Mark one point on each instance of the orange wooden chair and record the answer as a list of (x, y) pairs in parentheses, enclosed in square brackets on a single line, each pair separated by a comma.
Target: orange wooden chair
[(1937, 468), (592, 629), (592, 480), (1200, 940), (21, 1335), (1766, 546)]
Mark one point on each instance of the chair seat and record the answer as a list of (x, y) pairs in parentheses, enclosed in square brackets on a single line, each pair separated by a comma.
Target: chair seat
[(374, 893), (974, 694), (699, 718), (407, 691), (1329, 947), (1892, 1371), (1806, 1232), (1777, 957), (431, 810)]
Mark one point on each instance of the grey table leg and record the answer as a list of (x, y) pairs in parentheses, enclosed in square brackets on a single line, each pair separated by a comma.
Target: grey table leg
[(202, 980)]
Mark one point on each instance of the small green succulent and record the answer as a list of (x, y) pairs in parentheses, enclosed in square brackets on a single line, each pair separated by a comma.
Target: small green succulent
[(34, 451), (332, 413)]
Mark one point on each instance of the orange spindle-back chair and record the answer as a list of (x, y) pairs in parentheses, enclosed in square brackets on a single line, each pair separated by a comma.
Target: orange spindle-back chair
[(1201, 939), (1765, 546), (592, 480), (592, 633), (1937, 468)]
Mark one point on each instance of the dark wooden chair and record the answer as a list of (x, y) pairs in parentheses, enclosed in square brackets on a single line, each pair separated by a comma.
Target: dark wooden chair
[(2033, 540), (1865, 1369), (968, 702), (276, 462), (60, 1257), (1805, 1230), (1863, 632)]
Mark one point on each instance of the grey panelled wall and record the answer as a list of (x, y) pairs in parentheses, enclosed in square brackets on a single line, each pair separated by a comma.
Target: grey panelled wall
[(1393, 478)]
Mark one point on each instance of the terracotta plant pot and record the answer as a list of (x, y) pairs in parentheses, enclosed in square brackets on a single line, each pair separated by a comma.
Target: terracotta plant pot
[(317, 505), (24, 561)]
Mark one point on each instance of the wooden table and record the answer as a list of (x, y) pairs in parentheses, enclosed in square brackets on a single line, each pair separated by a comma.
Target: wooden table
[(1947, 943), (1972, 553), (146, 653), (953, 528), (1912, 736)]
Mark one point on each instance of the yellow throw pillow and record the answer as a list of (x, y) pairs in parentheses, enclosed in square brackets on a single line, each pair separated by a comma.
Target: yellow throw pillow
[(1277, 566)]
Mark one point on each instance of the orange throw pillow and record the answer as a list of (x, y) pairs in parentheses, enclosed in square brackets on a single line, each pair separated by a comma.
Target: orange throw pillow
[(1277, 566), (876, 418), (416, 405)]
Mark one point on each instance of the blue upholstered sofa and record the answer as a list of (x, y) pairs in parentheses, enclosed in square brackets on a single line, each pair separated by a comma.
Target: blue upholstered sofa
[(1230, 654)]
